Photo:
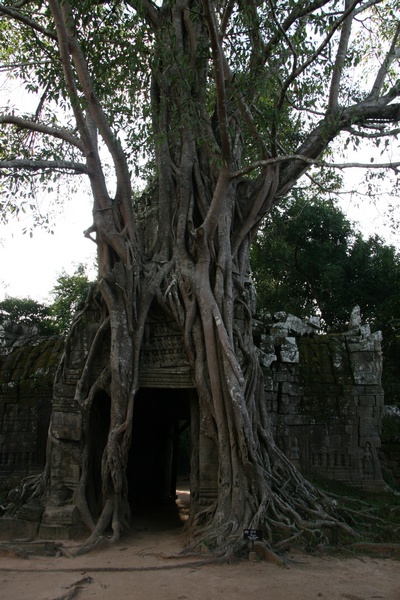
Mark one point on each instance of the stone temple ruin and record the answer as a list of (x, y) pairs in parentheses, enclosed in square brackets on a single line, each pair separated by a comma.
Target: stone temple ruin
[(323, 393)]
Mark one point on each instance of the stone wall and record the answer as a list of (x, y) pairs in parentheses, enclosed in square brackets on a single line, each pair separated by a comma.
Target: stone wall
[(323, 393), (27, 369)]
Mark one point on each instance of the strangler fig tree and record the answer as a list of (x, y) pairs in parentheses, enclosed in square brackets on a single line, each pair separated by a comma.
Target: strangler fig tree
[(220, 106)]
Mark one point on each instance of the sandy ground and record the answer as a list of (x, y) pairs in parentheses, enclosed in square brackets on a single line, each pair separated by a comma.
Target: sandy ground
[(142, 567)]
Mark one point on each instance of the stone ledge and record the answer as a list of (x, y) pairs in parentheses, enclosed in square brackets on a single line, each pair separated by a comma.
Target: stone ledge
[(13, 528)]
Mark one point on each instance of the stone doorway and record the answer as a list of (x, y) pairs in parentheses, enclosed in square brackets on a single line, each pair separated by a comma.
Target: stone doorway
[(160, 453)]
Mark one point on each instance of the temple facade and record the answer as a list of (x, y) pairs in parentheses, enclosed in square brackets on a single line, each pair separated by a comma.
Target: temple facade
[(323, 393)]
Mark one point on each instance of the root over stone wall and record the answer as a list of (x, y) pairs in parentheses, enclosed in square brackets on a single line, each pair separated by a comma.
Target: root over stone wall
[(323, 393)]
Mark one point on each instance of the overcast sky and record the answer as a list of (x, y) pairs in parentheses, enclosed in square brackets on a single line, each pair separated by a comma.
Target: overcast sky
[(29, 265)]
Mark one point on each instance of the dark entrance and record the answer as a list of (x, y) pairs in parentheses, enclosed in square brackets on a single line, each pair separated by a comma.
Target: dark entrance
[(99, 425), (160, 449)]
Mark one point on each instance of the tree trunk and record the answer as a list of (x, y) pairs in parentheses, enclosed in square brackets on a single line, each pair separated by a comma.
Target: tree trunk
[(196, 269)]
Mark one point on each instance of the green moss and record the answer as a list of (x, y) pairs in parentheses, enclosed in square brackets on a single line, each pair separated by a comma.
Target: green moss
[(31, 365)]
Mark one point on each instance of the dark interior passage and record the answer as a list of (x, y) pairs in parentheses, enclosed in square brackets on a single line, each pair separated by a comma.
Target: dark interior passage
[(99, 425), (160, 449)]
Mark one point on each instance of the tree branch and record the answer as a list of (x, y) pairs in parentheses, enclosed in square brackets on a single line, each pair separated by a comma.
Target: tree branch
[(44, 165), (321, 47), (218, 61), (230, 5), (65, 39), (124, 192), (373, 136), (309, 162), (367, 4), (64, 48), (300, 10), (363, 114), (148, 8), (389, 58), (57, 132), (339, 62), (14, 14)]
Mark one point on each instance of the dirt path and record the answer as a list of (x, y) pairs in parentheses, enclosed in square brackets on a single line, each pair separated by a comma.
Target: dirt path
[(137, 568)]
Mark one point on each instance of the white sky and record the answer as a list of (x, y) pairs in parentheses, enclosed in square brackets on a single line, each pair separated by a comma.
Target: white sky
[(29, 265)]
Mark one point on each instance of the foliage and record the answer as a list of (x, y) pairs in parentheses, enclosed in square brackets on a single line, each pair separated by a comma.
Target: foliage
[(27, 314), (283, 64), (68, 295), (300, 260), (390, 429)]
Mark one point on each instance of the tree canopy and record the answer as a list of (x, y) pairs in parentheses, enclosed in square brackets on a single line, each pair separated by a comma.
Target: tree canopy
[(301, 260), (292, 78), (220, 107)]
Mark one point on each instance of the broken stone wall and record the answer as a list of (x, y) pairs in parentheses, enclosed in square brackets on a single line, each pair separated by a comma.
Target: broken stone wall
[(323, 392), (325, 397)]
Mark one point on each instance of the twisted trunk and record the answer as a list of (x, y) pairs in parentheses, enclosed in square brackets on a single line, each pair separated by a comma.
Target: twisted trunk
[(196, 269)]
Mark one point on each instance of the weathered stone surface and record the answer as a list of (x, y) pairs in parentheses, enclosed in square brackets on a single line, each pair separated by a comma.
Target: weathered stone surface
[(265, 359), (12, 528), (335, 394), (27, 368), (31, 511), (289, 351), (67, 426)]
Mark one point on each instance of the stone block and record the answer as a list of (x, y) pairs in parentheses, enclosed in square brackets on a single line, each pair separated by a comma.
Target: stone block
[(67, 426), (283, 375), (366, 412), (266, 359), (289, 351), (13, 528), (268, 384), (289, 388), (63, 515), (349, 409), (374, 440), (63, 391), (367, 369), (31, 511), (366, 400), (352, 429)]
